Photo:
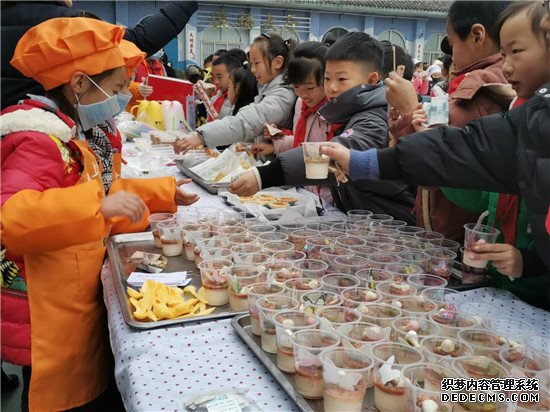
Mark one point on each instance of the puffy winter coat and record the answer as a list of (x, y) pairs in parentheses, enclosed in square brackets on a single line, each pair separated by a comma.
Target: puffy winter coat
[(273, 104)]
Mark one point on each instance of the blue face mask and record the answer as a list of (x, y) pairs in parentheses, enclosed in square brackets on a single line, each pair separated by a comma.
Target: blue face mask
[(123, 100), (91, 115), (157, 56)]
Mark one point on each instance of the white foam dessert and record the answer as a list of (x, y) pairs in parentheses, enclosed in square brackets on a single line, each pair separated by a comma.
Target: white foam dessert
[(285, 359), (338, 400), (238, 302), (216, 296), (269, 340), (309, 383), (317, 168), (171, 247)]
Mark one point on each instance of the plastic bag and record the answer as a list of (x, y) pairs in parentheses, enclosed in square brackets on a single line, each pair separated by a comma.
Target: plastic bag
[(222, 400)]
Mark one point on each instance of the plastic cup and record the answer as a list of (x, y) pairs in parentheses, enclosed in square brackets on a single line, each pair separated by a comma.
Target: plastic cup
[(154, 220), (313, 302), (215, 254), (358, 214), (171, 237), (346, 373), (374, 240), (256, 291), (445, 244), (514, 330), (393, 224), (362, 335), (329, 253), (239, 280), (314, 245), (393, 290), (227, 231), (281, 270), (307, 345), (379, 218), (483, 313), (311, 268), (208, 215), (428, 235), (371, 277), (381, 260), (401, 271), (527, 360), (409, 230), (411, 330), (192, 231), (246, 248), (389, 394), (289, 227), (442, 350), (381, 314), (350, 264), (215, 275), (484, 342), (232, 217), (339, 315), (444, 297), (477, 234), (296, 287), (344, 227), (242, 239), (269, 306), (357, 296), (292, 256), (261, 229), (337, 282), (392, 248), (415, 257), (423, 387), (321, 227), (272, 236), (348, 241), (316, 163), (277, 246), (299, 237), (422, 282), (451, 322), (416, 306), (287, 322), (440, 262), (256, 259), (471, 274), (203, 244)]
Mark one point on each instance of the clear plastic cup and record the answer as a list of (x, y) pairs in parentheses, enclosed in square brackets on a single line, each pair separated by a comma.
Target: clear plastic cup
[(241, 239), (358, 214), (307, 345), (428, 235), (214, 254), (259, 259), (278, 246), (527, 360), (289, 227), (484, 342), (288, 322), (392, 248), (316, 163), (337, 282), (471, 274), (313, 302), (477, 234), (423, 387), (261, 229), (346, 373), (389, 393), (422, 282), (374, 240), (445, 244), (381, 260), (348, 241), (350, 264), (256, 291), (484, 313), (514, 330), (296, 287), (442, 350), (232, 217), (401, 271), (416, 306), (191, 232), (215, 280), (379, 218), (440, 262), (357, 296), (299, 237), (208, 215), (203, 244), (272, 236), (154, 220), (282, 270), (292, 256), (171, 237), (246, 248), (393, 290), (393, 224), (239, 281), (381, 314), (339, 315), (320, 226), (227, 231), (311, 268), (269, 306), (417, 258), (315, 244), (409, 230), (371, 277), (451, 322), (329, 253), (362, 335), (411, 330), (445, 298)]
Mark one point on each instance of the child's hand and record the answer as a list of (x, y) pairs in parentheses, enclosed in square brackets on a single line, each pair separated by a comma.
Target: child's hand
[(337, 152), (189, 142), (505, 258), (183, 198), (400, 94), (122, 204), (268, 135), (419, 119), (245, 185), (145, 90), (263, 149)]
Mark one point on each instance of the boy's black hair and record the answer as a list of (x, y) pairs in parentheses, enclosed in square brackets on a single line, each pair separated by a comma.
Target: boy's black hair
[(219, 52), (464, 14), (233, 59), (535, 13), (273, 45), (357, 47), (193, 73), (208, 60), (305, 59), (401, 58), (248, 87), (447, 60), (330, 37)]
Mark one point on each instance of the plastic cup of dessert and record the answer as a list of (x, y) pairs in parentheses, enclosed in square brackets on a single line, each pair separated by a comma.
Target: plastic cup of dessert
[(379, 218), (345, 376), (307, 345), (315, 244), (394, 289), (417, 258), (256, 291), (393, 224), (291, 256), (444, 297), (296, 287), (332, 234), (259, 229), (154, 220), (410, 230), (272, 236), (371, 277), (350, 264), (471, 274), (281, 270), (428, 235), (411, 330), (442, 350), (299, 237), (215, 280), (171, 237), (381, 314), (329, 253), (246, 248), (316, 163), (379, 230), (228, 230), (276, 246), (348, 241), (232, 217), (381, 260), (451, 322), (440, 262), (191, 232), (423, 387), (288, 322), (337, 282), (423, 281), (208, 215), (484, 342), (241, 277), (358, 214), (268, 306), (320, 226), (311, 268), (203, 244), (313, 302), (392, 248), (357, 296), (241, 239), (401, 271), (526, 359), (345, 227), (482, 312), (362, 336), (375, 239), (389, 386), (214, 254), (250, 221), (289, 227), (416, 306), (514, 330), (477, 234), (339, 315), (259, 259), (445, 244)]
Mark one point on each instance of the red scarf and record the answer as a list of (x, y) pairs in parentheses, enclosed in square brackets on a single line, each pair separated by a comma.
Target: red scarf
[(455, 83), (334, 127), (218, 104), (301, 126)]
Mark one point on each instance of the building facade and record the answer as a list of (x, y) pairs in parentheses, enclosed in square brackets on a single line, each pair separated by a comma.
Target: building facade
[(417, 26)]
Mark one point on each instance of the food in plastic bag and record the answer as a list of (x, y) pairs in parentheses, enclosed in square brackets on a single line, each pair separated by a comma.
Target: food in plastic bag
[(223, 400)]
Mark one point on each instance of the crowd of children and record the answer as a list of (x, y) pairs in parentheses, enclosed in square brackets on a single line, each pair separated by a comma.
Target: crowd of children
[(62, 193)]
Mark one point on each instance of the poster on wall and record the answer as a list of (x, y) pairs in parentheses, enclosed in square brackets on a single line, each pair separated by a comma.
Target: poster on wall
[(190, 42), (419, 50)]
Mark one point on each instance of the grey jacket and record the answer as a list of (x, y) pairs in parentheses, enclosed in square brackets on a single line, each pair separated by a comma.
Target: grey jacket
[(273, 104), (363, 111)]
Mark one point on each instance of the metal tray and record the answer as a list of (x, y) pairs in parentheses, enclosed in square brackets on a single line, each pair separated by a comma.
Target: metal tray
[(208, 186), (455, 282), (120, 247), (241, 324)]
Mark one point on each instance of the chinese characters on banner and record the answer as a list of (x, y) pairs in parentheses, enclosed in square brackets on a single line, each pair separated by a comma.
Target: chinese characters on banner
[(190, 42), (419, 50)]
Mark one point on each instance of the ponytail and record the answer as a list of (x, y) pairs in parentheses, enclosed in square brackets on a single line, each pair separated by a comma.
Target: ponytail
[(247, 87), (273, 45)]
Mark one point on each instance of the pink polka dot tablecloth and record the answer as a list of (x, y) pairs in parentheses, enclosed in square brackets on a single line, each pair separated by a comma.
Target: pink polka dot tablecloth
[(159, 369)]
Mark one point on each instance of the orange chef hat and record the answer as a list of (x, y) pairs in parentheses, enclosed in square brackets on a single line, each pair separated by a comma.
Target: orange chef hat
[(132, 56), (54, 50)]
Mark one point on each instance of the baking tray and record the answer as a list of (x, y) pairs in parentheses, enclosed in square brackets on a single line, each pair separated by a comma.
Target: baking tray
[(208, 186), (241, 324), (455, 282), (120, 247)]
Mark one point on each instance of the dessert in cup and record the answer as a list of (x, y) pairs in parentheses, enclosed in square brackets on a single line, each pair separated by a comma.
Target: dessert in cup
[(296, 287), (339, 315), (268, 306), (525, 359), (239, 281), (281, 270), (423, 281), (381, 314), (417, 258), (226, 231), (256, 291), (299, 237), (246, 248), (358, 214), (410, 331), (259, 229), (255, 259), (337, 282), (440, 262), (314, 245), (241, 239), (483, 313), (171, 237), (154, 220), (348, 241), (316, 163), (329, 253), (311, 268), (484, 342), (292, 256), (357, 296), (289, 227), (381, 260), (276, 246), (394, 289), (444, 297), (208, 243), (401, 271), (516, 331), (349, 264), (371, 277), (313, 302), (442, 350), (214, 276), (423, 387), (451, 322), (272, 236), (192, 231), (477, 234), (417, 306)]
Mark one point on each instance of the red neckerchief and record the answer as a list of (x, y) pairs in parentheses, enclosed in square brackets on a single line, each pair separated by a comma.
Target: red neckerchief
[(301, 126), (218, 104), (334, 127), (453, 85), (508, 206)]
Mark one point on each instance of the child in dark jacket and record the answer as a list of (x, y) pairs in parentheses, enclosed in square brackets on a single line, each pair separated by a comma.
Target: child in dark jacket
[(357, 110)]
